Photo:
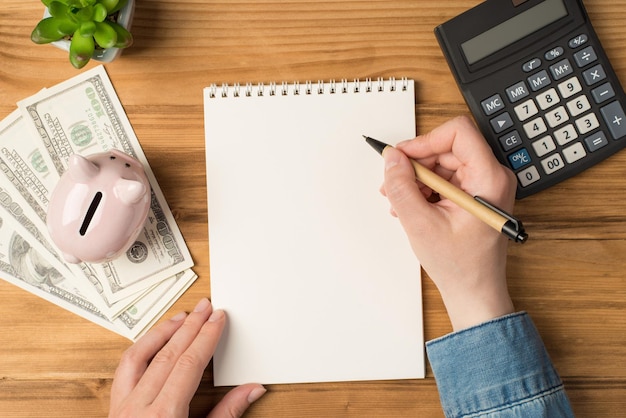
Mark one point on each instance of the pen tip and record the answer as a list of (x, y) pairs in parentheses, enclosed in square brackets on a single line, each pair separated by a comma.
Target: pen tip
[(377, 145)]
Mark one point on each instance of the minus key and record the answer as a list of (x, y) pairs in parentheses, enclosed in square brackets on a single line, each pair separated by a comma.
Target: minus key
[(603, 93)]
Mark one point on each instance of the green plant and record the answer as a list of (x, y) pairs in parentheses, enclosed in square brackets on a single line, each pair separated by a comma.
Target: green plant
[(87, 24)]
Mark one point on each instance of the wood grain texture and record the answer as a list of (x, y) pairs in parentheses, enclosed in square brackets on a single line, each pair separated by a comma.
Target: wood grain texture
[(570, 275)]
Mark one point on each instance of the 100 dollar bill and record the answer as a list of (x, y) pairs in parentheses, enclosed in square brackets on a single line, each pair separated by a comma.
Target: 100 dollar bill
[(83, 115)]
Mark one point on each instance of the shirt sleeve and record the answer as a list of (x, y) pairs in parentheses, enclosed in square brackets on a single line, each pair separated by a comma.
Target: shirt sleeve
[(498, 368)]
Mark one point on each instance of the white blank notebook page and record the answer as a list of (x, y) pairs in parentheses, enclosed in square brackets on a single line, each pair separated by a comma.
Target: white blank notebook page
[(316, 277)]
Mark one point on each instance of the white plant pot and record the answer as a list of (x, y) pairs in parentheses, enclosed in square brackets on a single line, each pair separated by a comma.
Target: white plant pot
[(124, 18)]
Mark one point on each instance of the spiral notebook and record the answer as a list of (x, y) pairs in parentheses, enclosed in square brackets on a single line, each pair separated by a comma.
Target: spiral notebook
[(317, 278)]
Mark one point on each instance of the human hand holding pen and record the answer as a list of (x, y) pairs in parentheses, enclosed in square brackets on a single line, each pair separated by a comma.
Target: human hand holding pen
[(159, 374), (465, 258)]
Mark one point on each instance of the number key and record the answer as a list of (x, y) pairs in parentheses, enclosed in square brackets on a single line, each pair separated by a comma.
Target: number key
[(570, 87), (587, 123), (528, 176), (552, 163), (543, 146), (557, 116), (578, 106), (526, 110), (535, 128), (548, 99), (565, 134)]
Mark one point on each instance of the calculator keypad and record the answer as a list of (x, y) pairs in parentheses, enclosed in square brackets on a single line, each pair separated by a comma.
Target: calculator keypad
[(555, 108)]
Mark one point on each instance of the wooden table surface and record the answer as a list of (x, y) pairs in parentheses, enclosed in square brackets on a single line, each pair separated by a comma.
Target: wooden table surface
[(570, 275)]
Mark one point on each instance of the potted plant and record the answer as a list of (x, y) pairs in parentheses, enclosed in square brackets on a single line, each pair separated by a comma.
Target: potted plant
[(97, 29)]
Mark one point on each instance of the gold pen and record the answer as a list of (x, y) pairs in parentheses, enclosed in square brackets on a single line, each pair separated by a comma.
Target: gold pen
[(483, 210)]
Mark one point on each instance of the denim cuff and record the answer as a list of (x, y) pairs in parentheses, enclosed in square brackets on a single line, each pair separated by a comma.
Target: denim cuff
[(493, 366)]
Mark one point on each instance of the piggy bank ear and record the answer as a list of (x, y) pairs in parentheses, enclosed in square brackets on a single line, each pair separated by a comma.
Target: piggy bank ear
[(81, 169), (129, 191)]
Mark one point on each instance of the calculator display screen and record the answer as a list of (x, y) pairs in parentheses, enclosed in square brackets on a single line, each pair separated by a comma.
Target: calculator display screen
[(513, 30)]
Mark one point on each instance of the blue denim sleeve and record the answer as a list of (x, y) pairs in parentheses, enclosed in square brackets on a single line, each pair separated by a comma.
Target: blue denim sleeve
[(497, 369)]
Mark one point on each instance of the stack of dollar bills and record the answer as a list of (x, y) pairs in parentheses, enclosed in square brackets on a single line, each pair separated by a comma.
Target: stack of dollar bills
[(83, 115)]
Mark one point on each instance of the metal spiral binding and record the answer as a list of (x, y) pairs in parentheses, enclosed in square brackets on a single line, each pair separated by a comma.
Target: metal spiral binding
[(309, 88)]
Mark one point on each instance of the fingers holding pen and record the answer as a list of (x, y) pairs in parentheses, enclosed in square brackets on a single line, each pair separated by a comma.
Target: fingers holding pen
[(407, 199)]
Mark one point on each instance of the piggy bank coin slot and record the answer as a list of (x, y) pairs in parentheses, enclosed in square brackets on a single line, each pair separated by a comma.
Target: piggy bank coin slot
[(90, 212)]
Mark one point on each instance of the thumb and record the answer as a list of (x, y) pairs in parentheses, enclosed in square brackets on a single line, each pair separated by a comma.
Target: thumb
[(237, 401)]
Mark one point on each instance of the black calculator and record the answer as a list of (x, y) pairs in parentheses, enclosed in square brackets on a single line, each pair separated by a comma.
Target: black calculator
[(540, 86)]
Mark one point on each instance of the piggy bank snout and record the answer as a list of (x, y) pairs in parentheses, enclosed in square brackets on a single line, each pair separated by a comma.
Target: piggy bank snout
[(98, 207)]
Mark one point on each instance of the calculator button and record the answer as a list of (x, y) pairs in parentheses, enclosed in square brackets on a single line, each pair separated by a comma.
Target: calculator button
[(574, 152), (578, 41), (535, 127), (553, 54), (585, 57), (615, 119), (552, 163), (561, 69), (594, 75), (526, 110), (502, 122), (519, 159), (539, 80), (596, 141), (587, 123), (492, 104), (570, 87), (565, 134), (531, 65), (603, 93), (548, 99), (543, 146), (510, 140), (578, 106), (517, 92), (557, 116), (528, 176)]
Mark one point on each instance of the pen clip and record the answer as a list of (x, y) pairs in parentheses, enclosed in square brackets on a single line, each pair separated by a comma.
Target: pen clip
[(513, 228)]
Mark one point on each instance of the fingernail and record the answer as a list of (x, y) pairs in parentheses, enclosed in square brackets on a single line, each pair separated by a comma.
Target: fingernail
[(392, 158), (256, 393), (202, 305), (217, 315), (179, 316)]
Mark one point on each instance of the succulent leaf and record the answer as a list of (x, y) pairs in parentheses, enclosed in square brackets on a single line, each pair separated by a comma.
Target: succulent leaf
[(81, 49), (68, 27), (57, 9), (47, 2), (120, 5), (87, 29), (105, 35), (85, 14), (47, 30), (124, 37), (99, 12), (109, 4)]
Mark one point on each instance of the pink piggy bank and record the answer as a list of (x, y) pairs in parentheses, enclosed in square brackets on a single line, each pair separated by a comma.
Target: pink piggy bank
[(99, 206)]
